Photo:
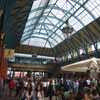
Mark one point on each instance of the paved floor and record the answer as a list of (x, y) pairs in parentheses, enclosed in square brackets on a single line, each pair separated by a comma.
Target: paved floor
[(14, 98), (7, 98)]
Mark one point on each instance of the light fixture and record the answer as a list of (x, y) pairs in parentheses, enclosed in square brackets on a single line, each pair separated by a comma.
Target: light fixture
[(68, 29)]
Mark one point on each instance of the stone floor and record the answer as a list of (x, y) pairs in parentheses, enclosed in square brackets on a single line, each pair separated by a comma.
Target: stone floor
[(8, 98), (14, 98)]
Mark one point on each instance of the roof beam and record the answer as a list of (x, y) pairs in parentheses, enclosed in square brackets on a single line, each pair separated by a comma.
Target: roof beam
[(69, 17), (27, 36), (39, 17), (42, 24), (85, 8), (35, 37), (48, 30)]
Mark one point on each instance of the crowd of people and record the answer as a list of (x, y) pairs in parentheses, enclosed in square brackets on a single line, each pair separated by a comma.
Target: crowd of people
[(62, 89)]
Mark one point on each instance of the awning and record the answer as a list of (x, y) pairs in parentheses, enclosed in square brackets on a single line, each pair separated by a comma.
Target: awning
[(82, 66)]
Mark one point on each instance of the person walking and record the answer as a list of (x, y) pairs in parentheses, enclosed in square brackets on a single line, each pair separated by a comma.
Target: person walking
[(50, 90), (29, 92), (39, 91), (12, 86)]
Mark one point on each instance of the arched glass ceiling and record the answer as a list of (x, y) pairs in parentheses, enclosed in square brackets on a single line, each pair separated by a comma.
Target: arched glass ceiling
[(47, 18)]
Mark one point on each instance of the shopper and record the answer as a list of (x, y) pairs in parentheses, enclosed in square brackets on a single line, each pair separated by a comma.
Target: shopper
[(39, 90), (50, 90), (12, 86), (29, 92)]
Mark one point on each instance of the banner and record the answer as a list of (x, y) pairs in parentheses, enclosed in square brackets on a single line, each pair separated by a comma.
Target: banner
[(9, 53)]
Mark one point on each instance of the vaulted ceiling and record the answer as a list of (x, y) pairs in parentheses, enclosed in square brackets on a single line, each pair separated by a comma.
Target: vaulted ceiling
[(38, 24)]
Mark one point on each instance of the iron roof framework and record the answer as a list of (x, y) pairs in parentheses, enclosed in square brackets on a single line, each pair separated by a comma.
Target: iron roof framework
[(45, 21), (87, 36), (48, 17)]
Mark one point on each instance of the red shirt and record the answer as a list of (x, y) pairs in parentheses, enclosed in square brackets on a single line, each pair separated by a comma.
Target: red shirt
[(12, 84)]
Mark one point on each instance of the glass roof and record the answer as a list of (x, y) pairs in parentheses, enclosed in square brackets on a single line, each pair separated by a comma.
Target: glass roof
[(48, 17)]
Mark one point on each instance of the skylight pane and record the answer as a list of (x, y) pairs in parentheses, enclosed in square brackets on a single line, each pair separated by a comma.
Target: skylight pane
[(30, 22), (43, 31), (79, 12), (89, 6), (55, 21), (69, 6), (84, 13), (27, 30), (60, 23), (25, 42), (36, 31), (98, 8), (72, 21), (47, 45), (58, 39), (38, 26), (74, 7), (37, 42), (38, 3), (47, 10), (58, 13), (81, 1), (95, 13), (59, 32), (35, 13), (39, 35), (52, 1), (94, 7), (87, 19), (24, 35), (77, 26), (53, 42), (71, 2), (53, 35), (50, 26), (61, 3), (65, 6), (47, 23)]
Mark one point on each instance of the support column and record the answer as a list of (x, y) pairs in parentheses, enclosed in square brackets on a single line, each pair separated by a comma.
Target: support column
[(86, 51), (1, 19), (13, 73), (78, 54), (3, 62), (67, 57), (96, 50)]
